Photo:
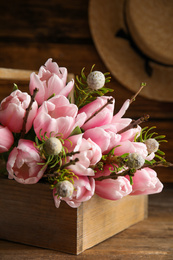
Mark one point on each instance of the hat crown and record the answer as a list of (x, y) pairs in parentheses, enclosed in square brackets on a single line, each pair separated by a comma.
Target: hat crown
[(150, 23)]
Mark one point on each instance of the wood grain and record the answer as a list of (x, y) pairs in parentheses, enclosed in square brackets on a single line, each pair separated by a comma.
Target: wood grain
[(37, 222), (149, 239)]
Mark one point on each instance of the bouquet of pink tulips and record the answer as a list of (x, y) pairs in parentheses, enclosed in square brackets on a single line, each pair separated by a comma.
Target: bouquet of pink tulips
[(80, 148)]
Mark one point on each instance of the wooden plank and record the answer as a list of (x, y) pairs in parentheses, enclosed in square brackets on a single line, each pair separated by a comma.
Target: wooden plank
[(74, 58), (36, 221), (149, 239), (42, 21), (28, 215), (111, 217)]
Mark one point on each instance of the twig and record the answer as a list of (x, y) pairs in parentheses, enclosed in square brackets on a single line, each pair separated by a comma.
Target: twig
[(159, 164), (134, 124), (27, 112), (137, 93), (71, 162), (109, 101), (115, 175)]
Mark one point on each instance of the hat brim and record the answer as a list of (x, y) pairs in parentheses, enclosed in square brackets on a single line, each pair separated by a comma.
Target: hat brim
[(124, 63)]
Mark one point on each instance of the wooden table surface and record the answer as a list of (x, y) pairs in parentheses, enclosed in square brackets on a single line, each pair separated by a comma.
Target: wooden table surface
[(32, 31)]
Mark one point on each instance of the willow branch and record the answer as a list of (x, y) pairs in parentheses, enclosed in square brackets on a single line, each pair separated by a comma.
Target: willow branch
[(27, 112), (109, 101), (115, 175), (134, 124), (137, 93)]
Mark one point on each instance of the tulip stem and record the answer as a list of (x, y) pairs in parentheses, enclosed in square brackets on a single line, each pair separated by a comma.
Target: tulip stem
[(23, 131), (134, 124), (109, 101)]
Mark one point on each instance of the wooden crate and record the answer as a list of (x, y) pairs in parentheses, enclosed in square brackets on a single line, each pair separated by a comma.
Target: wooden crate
[(28, 216)]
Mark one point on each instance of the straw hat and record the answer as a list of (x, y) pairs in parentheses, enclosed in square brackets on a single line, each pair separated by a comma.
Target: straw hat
[(135, 40)]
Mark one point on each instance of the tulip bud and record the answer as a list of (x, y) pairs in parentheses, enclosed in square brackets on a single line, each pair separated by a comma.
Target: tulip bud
[(65, 189), (96, 80), (52, 146), (152, 145), (135, 161)]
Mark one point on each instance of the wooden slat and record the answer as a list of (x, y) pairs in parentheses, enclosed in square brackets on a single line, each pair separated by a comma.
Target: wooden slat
[(44, 21), (149, 239), (74, 58), (36, 221)]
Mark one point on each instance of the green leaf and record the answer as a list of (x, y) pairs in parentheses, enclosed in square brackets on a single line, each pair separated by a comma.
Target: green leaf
[(149, 162), (15, 87), (76, 131), (160, 137), (83, 75), (160, 152), (146, 133), (131, 180), (92, 68)]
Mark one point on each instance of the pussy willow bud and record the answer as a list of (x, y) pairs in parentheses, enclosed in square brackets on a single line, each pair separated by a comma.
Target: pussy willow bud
[(52, 146), (96, 80), (152, 145), (135, 161), (65, 189)]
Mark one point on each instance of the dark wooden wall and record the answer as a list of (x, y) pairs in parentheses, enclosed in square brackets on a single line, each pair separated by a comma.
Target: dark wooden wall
[(31, 31)]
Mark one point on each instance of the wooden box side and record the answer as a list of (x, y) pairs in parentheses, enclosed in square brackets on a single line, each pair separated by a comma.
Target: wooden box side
[(104, 218), (28, 215)]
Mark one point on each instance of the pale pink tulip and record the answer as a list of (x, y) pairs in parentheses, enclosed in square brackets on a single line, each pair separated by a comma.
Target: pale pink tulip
[(104, 136), (23, 162), (131, 147), (57, 116), (145, 181), (13, 109), (6, 139), (113, 189), (103, 117), (51, 79), (84, 189), (89, 154), (120, 123)]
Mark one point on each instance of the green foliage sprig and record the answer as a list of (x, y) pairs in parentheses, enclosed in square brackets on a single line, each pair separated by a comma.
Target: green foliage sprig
[(83, 94)]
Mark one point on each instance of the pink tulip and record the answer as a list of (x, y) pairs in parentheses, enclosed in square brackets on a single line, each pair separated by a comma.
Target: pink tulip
[(131, 147), (103, 117), (58, 116), (145, 181), (6, 139), (113, 189), (51, 79), (121, 123), (22, 164), (122, 111), (13, 109), (89, 154), (84, 190), (106, 133)]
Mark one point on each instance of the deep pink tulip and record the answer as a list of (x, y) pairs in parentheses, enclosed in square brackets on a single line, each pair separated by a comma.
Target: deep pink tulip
[(23, 162), (84, 189), (113, 189), (13, 109), (51, 79), (145, 181), (6, 139)]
